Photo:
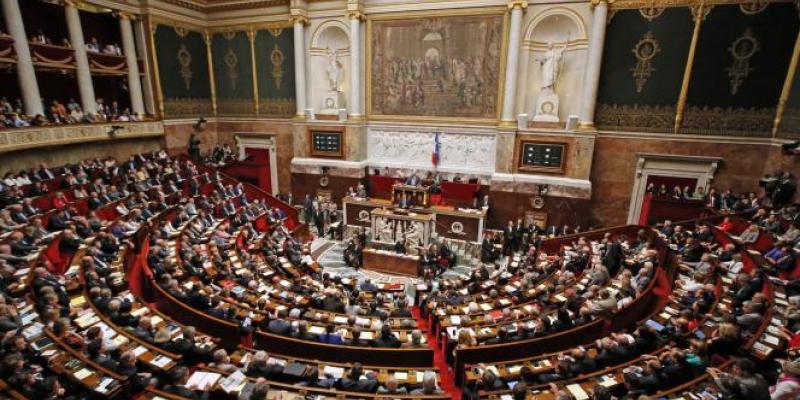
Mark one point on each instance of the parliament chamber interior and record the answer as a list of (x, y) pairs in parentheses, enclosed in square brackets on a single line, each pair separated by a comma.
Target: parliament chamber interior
[(399, 199)]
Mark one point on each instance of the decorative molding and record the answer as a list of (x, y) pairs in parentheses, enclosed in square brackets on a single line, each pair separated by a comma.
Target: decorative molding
[(529, 183), (27, 138)]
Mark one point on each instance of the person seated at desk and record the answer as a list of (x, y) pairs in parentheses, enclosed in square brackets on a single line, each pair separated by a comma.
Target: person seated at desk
[(413, 180), (361, 191)]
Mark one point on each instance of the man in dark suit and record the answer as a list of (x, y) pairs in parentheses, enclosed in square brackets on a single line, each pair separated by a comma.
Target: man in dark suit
[(386, 339), (279, 325), (97, 352), (69, 244), (188, 348), (401, 311)]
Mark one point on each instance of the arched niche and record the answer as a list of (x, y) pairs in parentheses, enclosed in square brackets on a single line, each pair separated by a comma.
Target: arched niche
[(560, 26), (331, 35)]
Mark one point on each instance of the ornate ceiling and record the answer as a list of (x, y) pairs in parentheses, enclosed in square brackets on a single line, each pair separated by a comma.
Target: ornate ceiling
[(226, 5)]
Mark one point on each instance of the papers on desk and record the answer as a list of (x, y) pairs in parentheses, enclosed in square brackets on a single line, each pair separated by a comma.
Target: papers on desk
[(769, 339), (367, 335), (103, 386), (82, 373), (577, 391), (762, 348), (86, 320), (77, 301), (401, 376), (139, 351), (161, 361), (139, 311), (455, 320), (33, 330), (608, 381), (200, 380), (316, 329), (333, 372), (233, 382)]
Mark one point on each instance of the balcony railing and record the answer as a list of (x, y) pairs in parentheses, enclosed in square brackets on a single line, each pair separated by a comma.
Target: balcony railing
[(27, 138)]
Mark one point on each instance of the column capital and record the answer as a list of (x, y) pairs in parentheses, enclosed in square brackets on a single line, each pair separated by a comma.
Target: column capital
[(298, 15), (125, 16), (517, 4), (597, 2), (207, 37), (251, 35), (71, 3), (355, 10)]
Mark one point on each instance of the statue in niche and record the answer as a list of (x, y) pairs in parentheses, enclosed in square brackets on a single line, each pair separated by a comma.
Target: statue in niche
[(551, 66), (547, 104), (334, 70)]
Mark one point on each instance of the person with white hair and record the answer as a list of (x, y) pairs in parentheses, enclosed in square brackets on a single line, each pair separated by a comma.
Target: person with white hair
[(428, 385)]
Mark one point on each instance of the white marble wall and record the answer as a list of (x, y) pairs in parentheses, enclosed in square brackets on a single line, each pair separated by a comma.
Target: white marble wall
[(461, 150)]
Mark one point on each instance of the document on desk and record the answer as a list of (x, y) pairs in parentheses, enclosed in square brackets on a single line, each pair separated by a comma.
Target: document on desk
[(201, 380), (233, 382), (577, 391)]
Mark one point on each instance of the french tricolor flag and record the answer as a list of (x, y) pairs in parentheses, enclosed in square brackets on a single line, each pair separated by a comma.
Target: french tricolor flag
[(436, 148)]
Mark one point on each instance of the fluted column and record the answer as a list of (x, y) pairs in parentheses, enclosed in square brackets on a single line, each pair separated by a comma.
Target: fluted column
[(84, 75), (134, 81), (594, 60), (26, 75), (355, 14), (512, 60), (140, 30), (299, 22)]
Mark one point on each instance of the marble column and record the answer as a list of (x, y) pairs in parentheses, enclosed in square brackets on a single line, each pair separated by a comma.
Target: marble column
[(355, 64), (134, 80), (26, 75), (300, 65), (141, 50), (512, 61), (594, 59), (84, 75)]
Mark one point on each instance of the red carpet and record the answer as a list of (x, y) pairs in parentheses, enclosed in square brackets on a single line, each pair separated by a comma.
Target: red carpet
[(447, 382)]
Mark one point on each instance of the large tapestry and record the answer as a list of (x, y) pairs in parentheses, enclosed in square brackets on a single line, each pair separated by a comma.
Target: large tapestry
[(436, 66)]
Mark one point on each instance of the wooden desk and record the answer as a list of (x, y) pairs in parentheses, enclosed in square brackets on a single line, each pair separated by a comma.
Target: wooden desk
[(399, 264)]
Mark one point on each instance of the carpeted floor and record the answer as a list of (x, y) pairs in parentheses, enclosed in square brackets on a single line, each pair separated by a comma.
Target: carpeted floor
[(447, 382)]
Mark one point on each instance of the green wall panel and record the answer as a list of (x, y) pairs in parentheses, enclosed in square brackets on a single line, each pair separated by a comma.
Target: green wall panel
[(233, 73), (739, 70), (183, 71), (642, 71), (274, 49)]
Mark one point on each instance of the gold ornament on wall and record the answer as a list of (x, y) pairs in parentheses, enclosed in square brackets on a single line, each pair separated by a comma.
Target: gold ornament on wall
[(644, 51), (277, 57), (652, 12), (185, 63), (753, 7), (275, 32), (231, 62), (181, 31), (742, 49)]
